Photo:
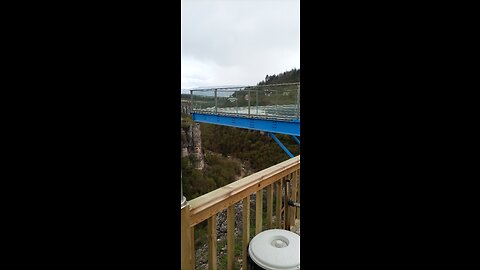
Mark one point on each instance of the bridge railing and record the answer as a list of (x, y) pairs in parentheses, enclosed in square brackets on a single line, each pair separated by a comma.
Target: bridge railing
[(280, 183), (265, 101)]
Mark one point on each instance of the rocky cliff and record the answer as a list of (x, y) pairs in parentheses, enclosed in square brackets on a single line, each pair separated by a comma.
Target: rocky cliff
[(191, 145)]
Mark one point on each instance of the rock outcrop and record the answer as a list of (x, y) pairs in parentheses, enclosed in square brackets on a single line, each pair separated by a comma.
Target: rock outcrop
[(191, 145), (184, 143)]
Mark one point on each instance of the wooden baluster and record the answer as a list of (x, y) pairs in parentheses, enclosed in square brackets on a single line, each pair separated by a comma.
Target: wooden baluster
[(298, 196), (258, 211), (278, 220), (212, 242), (286, 207), (245, 230), (192, 236), (230, 237), (269, 206)]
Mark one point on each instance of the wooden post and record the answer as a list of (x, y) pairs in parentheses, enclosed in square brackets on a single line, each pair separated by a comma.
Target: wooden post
[(258, 211), (298, 198), (188, 262), (230, 237), (269, 206), (278, 221), (294, 198), (212, 242), (245, 230)]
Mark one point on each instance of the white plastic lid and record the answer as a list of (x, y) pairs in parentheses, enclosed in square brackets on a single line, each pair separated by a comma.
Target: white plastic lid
[(276, 249)]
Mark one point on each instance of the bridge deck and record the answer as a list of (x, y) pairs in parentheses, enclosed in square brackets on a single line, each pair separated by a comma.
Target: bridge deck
[(266, 124), (269, 108)]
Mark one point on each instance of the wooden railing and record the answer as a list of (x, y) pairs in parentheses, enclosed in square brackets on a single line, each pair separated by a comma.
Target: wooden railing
[(284, 178)]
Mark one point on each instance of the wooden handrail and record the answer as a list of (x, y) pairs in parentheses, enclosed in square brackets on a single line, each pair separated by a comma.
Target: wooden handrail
[(215, 201)]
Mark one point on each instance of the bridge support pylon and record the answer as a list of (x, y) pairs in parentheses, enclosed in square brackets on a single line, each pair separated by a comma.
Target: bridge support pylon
[(296, 139), (280, 144)]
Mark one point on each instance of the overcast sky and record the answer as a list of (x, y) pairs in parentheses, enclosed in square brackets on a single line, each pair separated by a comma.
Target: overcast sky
[(238, 42)]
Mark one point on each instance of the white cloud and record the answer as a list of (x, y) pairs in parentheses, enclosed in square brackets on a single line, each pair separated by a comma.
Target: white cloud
[(238, 42)]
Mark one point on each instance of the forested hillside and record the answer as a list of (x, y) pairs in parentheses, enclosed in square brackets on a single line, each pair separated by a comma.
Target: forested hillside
[(286, 77), (254, 148)]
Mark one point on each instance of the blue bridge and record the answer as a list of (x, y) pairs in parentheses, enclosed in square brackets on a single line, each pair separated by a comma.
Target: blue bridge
[(274, 109)]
